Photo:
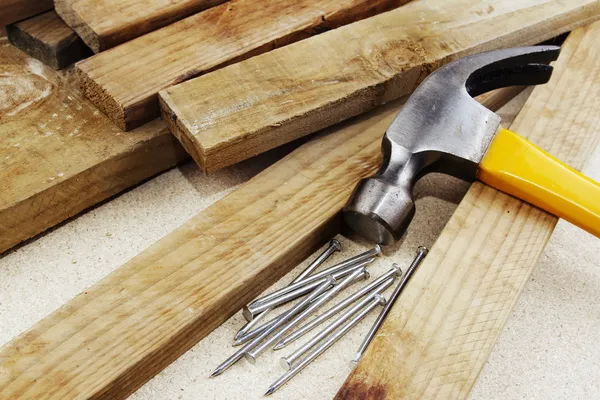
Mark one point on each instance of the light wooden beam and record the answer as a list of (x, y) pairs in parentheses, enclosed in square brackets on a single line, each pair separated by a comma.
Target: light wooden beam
[(124, 82), (247, 108), (439, 335), (59, 154), (47, 38), (107, 23), (119, 333)]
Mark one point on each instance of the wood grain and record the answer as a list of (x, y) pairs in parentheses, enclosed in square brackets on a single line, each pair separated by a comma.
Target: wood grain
[(47, 38), (443, 328), (105, 24), (59, 154), (15, 10), (247, 108), (119, 333), (124, 82)]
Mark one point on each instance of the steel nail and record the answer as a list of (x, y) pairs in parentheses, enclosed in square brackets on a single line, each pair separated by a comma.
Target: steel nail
[(421, 253), (367, 255), (282, 320), (334, 245), (254, 333), (254, 309), (253, 353), (250, 324), (376, 284), (323, 347), (289, 361)]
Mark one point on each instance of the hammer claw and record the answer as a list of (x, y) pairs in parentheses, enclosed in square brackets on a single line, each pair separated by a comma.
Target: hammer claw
[(521, 75), (440, 128)]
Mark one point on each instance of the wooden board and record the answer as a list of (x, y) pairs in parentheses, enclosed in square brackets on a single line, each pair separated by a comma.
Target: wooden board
[(124, 82), (15, 10), (105, 24), (247, 108), (119, 333), (59, 154), (440, 333), (47, 38)]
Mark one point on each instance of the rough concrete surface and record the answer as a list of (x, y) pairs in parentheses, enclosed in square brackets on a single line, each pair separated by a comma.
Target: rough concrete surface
[(548, 350)]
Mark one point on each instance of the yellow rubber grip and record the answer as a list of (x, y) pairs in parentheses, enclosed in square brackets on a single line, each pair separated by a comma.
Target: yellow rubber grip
[(516, 166)]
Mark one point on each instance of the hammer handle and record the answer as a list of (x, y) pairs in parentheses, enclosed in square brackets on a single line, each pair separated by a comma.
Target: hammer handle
[(516, 166)]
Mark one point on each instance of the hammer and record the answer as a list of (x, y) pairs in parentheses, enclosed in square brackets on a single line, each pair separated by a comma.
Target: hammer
[(442, 128)]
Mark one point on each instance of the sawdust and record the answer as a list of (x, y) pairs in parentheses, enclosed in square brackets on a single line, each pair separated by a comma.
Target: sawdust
[(21, 88)]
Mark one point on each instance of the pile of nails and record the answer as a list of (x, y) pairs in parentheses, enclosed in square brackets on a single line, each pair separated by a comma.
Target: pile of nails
[(314, 290)]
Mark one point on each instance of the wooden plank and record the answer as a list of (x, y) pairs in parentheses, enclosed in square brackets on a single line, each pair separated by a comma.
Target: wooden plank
[(47, 38), (124, 82), (59, 154), (440, 334), (15, 10), (105, 24), (112, 338), (247, 108)]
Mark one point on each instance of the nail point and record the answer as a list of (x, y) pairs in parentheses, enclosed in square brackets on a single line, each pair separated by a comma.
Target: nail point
[(269, 391), (279, 345)]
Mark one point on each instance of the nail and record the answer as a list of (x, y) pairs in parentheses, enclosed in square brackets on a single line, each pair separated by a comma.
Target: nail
[(421, 253), (254, 333), (251, 324), (289, 361), (334, 245), (323, 347), (388, 276), (367, 255), (252, 354), (256, 308), (282, 320)]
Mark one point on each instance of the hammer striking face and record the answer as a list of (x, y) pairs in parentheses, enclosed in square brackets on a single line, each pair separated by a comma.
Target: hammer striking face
[(442, 128)]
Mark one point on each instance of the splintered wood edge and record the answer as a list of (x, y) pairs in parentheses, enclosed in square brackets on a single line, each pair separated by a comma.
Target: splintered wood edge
[(71, 18), (168, 112)]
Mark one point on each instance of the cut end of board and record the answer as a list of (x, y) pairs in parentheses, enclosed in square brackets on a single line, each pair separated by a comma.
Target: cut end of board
[(47, 38), (64, 8), (101, 98), (169, 115)]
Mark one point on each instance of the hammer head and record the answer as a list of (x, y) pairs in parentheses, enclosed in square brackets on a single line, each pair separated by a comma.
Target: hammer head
[(440, 128)]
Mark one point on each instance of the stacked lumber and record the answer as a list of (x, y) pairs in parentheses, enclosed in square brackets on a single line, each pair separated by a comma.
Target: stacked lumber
[(124, 82), (47, 38), (258, 104), (59, 154), (437, 338), (105, 24)]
